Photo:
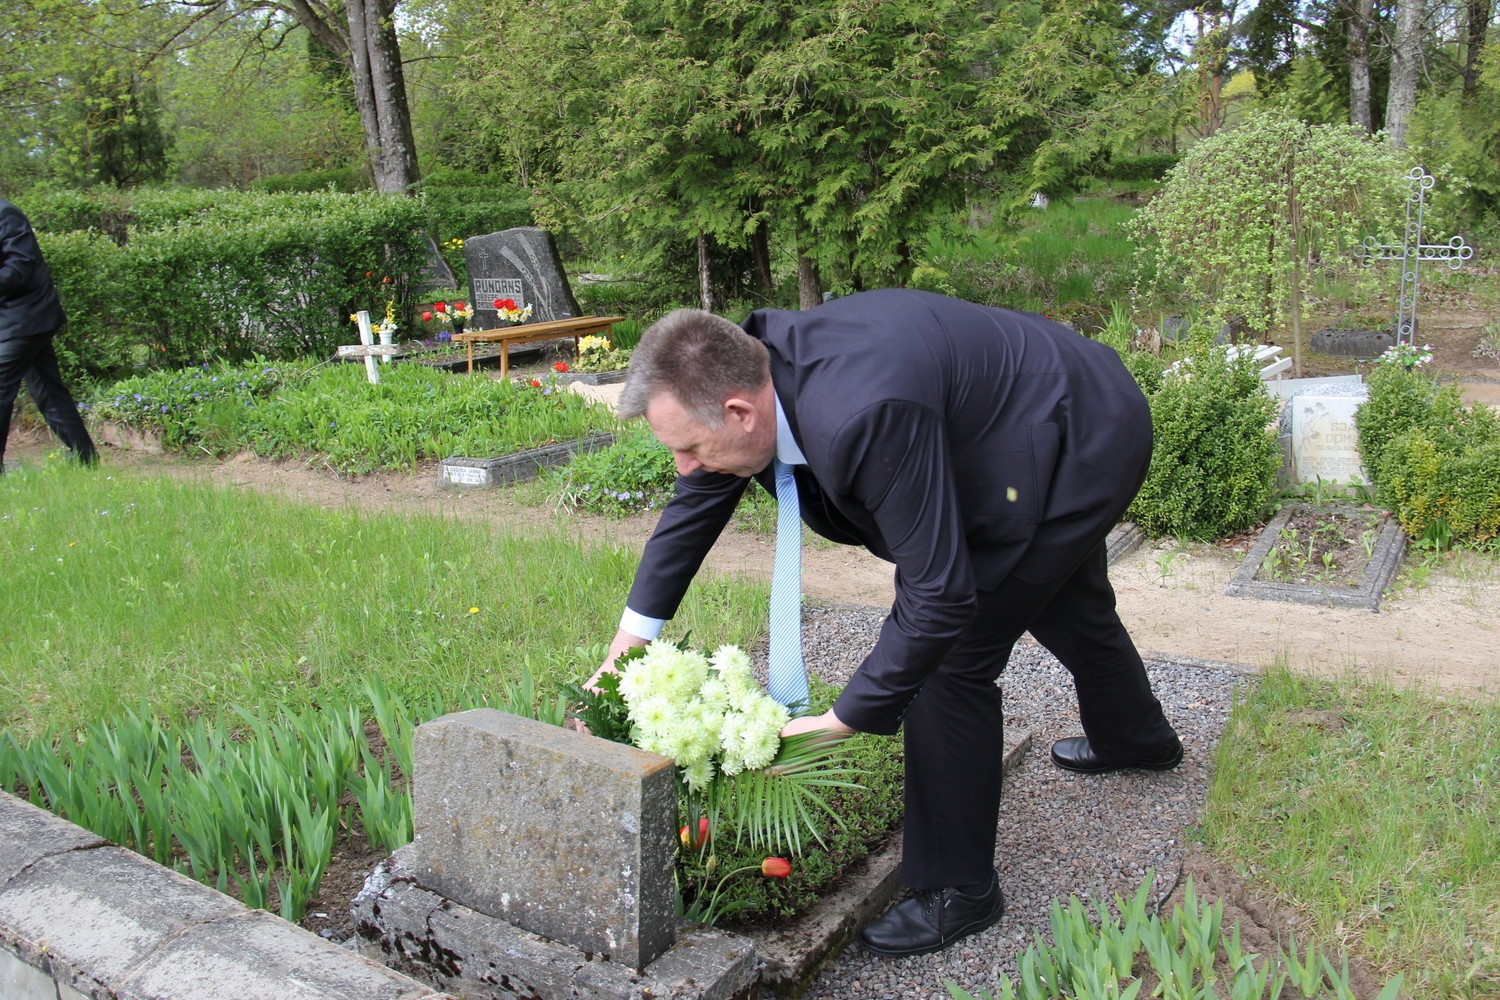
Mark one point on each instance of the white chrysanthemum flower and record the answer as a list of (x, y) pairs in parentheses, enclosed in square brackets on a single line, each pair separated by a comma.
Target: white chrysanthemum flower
[(698, 775), (730, 658), (653, 715)]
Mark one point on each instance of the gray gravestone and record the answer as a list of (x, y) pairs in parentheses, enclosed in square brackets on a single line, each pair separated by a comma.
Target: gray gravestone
[(562, 834), (435, 272), (520, 264), (1351, 343)]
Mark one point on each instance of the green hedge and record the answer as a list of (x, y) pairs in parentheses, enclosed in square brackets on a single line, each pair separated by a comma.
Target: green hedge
[(461, 204), (1213, 464), (1435, 462), (222, 275)]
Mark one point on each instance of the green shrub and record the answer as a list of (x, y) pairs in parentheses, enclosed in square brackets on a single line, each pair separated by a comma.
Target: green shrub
[(1145, 167), (231, 276), (346, 179), (1213, 465), (461, 204), (1434, 461)]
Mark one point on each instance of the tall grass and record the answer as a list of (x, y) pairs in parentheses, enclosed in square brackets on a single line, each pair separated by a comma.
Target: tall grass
[(1073, 252), (126, 591), (1375, 811)]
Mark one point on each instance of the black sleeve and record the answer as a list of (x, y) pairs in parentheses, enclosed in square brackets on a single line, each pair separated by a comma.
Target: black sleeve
[(19, 254), (901, 470), (689, 526)]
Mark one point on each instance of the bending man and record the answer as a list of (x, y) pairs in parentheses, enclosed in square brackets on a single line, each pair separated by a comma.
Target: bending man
[(987, 454)]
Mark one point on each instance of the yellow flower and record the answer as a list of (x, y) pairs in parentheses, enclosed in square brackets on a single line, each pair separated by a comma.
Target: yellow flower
[(473, 611), (353, 318)]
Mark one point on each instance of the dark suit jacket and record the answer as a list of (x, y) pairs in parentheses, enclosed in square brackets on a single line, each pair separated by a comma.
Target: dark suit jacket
[(29, 306), (960, 442)]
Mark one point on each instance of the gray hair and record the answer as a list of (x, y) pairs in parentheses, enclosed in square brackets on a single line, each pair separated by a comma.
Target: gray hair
[(700, 358)]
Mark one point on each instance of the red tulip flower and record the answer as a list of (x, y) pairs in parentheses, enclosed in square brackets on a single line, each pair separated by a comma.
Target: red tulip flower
[(427, 317), (686, 836), (441, 307), (459, 306), (386, 279), (537, 383), (776, 867), (562, 366)]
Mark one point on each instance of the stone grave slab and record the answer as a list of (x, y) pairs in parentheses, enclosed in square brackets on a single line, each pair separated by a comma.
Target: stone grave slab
[(520, 264), (1385, 559), (560, 833), (1286, 388), (1351, 343)]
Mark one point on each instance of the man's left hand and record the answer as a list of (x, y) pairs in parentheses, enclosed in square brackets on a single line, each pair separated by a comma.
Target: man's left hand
[(827, 723)]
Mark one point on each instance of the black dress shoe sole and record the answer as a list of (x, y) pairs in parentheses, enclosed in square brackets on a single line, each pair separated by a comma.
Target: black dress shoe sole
[(1103, 768), (983, 923)]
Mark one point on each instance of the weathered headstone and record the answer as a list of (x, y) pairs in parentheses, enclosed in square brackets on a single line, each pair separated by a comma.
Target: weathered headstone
[(562, 834), (520, 264), (1320, 436), (435, 272), (1352, 343)]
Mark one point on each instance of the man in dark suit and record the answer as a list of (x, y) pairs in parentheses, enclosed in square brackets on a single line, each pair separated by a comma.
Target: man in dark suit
[(987, 454), (30, 316)]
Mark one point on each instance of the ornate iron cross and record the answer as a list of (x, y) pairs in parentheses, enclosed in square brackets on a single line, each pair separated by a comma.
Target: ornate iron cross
[(1413, 251)]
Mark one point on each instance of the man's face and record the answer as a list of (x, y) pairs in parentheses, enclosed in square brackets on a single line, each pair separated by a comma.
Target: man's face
[(742, 445)]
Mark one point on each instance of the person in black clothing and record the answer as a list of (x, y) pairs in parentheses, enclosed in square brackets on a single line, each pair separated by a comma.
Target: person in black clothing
[(30, 316)]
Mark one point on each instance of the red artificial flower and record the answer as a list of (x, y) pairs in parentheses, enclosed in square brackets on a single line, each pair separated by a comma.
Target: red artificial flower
[(776, 867), (459, 306), (537, 383), (499, 303), (427, 317), (441, 307), (369, 274), (505, 303), (560, 366), (386, 279), (687, 838)]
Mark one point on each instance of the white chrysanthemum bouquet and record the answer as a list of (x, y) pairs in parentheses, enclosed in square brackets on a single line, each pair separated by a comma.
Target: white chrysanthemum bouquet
[(705, 712), (736, 773)]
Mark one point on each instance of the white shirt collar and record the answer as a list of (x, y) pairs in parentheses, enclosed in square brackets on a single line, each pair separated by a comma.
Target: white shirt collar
[(786, 445)]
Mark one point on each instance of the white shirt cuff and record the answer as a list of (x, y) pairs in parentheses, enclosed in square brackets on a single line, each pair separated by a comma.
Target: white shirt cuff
[(639, 625)]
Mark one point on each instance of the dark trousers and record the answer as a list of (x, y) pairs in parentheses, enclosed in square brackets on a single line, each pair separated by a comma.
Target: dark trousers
[(953, 730), (32, 360)]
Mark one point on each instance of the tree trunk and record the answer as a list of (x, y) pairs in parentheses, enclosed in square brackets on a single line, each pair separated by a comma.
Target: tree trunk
[(809, 285), (705, 284), (760, 249), (1406, 67), (1359, 64), (380, 95), (1479, 23)]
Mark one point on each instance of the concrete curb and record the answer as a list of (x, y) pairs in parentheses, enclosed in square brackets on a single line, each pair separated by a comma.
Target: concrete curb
[(80, 918), (475, 473)]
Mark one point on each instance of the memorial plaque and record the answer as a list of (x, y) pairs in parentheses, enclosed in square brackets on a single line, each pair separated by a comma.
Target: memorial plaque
[(1325, 444), (520, 264)]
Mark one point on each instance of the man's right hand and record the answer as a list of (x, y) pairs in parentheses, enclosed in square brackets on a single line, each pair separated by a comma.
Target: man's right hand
[(623, 641)]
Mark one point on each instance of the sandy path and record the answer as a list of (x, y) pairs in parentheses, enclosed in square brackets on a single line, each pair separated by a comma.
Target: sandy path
[(1443, 632)]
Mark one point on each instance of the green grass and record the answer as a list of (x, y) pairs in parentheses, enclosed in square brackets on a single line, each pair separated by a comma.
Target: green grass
[(185, 598), (1076, 252), (1376, 813)]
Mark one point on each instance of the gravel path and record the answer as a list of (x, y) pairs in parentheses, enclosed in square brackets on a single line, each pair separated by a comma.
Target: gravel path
[(1060, 833)]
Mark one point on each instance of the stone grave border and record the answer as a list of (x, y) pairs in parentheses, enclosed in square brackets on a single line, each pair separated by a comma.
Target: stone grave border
[(456, 948), (81, 918), (1385, 559), (479, 473), (593, 378)]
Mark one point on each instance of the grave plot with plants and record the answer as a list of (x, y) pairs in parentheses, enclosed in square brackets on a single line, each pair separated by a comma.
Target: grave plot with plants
[(331, 415), (1324, 545)]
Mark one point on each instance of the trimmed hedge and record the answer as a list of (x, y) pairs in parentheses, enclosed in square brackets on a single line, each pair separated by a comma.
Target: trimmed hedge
[(226, 276), (1434, 461), (1213, 463)]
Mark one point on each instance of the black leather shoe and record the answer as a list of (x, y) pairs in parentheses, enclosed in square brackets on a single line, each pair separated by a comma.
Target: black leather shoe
[(928, 920), (1075, 754)]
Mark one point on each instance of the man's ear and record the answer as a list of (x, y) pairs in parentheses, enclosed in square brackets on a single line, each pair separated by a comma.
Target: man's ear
[(740, 412)]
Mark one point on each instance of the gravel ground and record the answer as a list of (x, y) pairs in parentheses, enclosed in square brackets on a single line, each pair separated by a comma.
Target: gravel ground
[(1060, 833)]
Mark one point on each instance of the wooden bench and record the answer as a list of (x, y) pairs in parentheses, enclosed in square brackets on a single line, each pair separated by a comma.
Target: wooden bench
[(573, 327)]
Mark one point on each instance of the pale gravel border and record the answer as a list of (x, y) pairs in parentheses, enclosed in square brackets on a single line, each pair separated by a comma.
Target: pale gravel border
[(1059, 833)]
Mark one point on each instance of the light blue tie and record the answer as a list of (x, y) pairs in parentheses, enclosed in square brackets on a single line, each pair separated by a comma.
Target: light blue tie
[(788, 675)]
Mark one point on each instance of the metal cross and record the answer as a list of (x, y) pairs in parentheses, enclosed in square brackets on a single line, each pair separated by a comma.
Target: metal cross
[(1413, 251)]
